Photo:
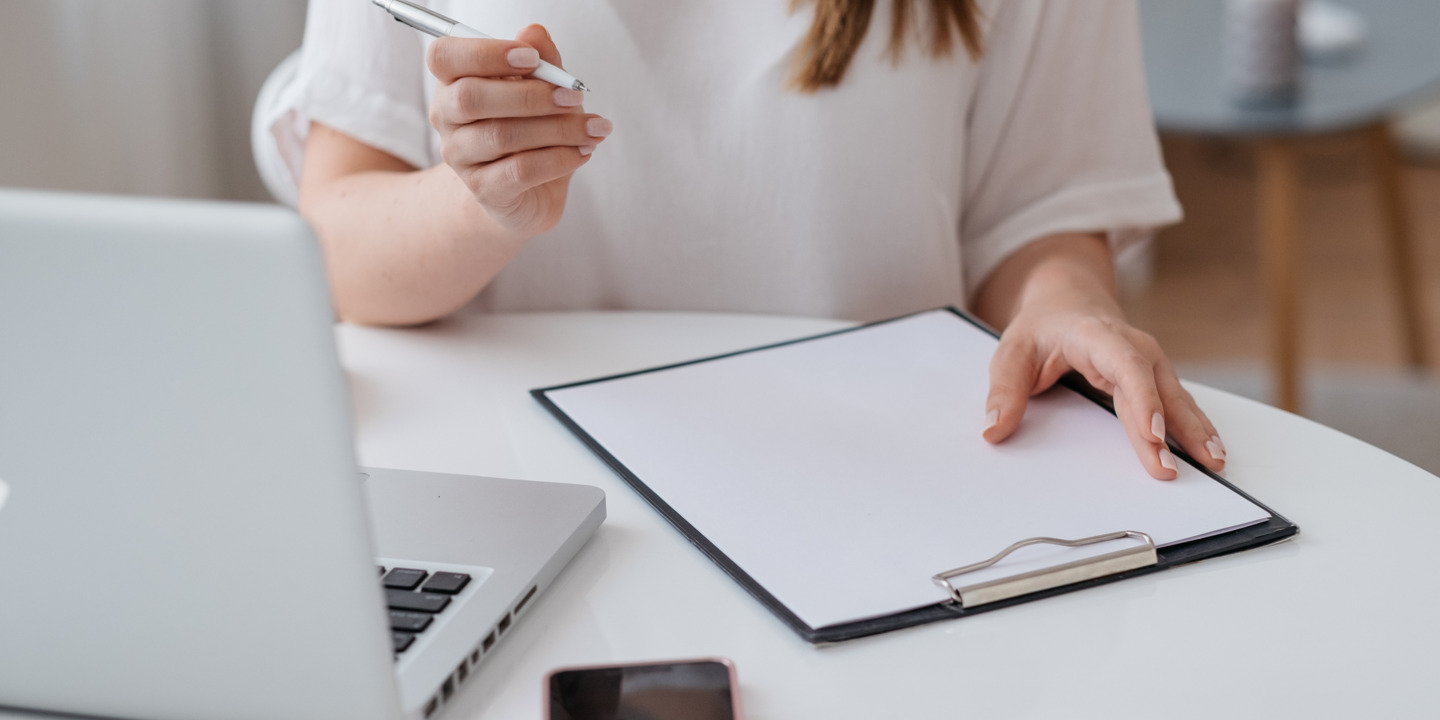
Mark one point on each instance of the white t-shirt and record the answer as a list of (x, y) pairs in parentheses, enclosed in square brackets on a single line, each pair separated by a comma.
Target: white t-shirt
[(721, 189)]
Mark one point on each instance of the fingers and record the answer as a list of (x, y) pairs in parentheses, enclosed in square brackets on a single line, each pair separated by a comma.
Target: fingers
[(1189, 426), (450, 59), (490, 140), (1150, 402), (478, 79), (500, 184), (486, 112), (1138, 404), (1144, 425), (1119, 363), (1013, 374), (472, 98), (538, 37)]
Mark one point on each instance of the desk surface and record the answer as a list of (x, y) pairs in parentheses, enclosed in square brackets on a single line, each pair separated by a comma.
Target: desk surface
[(1399, 63), (1338, 623)]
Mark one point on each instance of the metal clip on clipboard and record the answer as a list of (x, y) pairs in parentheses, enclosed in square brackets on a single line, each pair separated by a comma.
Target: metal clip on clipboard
[(1072, 572)]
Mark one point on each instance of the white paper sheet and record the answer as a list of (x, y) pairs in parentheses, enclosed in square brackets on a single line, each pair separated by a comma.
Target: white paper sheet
[(842, 473)]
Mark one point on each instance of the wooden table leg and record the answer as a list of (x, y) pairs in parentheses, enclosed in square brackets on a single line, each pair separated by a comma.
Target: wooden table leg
[(1399, 239), (1279, 231)]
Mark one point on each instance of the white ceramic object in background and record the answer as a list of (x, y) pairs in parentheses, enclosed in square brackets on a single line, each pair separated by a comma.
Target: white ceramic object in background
[(1329, 30), (1260, 51)]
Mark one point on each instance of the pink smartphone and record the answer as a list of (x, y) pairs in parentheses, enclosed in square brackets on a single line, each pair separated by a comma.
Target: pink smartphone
[(702, 689)]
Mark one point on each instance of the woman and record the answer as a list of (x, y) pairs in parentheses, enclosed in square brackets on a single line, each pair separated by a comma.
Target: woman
[(844, 158)]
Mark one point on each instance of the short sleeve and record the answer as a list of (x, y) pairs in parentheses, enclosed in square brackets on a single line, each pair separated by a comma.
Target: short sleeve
[(1060, 133), (359, 72)]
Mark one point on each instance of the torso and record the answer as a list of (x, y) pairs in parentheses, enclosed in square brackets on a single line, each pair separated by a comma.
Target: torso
[(721, 189)]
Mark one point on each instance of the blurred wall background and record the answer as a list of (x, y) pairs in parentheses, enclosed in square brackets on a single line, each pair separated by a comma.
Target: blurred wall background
[(154, 96), (144, 96)]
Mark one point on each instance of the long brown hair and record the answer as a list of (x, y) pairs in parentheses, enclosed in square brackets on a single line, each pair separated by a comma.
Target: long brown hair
[(840, 26)]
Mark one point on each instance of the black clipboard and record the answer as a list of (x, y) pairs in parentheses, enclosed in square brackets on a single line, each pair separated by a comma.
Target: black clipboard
[(1267, 532)]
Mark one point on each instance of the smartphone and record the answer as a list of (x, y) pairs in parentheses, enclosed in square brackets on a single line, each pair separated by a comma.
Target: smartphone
[(703, 689)]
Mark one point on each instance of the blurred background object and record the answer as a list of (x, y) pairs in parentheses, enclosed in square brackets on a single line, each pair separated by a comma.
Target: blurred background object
[(146, 97), (1305, 271), (154, 97), (1419, 133), (1260, 51), (1206, 300)]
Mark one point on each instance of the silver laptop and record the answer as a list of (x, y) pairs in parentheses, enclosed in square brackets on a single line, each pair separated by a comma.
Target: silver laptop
[(184, 531)]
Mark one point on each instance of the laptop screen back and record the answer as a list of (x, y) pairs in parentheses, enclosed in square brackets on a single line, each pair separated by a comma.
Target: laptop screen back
[(184, 534)]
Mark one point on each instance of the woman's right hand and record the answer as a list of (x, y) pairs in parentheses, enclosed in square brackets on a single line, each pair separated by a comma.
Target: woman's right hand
[(514, 141)]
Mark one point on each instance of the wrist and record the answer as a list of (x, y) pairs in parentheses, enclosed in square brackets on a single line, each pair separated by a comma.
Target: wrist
[(476, 226), (1060, 283), (1058, 272)]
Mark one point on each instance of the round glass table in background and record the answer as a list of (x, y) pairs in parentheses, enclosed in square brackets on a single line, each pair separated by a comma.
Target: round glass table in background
[(1350, 95)]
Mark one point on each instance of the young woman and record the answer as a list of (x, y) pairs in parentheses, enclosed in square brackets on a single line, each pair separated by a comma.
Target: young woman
[(846, 158)]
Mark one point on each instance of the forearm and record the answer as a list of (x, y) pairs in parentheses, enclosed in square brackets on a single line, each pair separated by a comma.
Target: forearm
[(1068, 270), (402, 246)]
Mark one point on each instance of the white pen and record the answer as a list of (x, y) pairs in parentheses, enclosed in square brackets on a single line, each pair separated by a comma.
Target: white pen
[(433, 23)]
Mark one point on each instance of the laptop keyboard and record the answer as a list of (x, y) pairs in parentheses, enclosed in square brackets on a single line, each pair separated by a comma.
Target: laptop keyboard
[(415, 598)]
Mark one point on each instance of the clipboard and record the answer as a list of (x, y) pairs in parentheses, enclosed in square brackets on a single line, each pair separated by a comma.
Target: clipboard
[(1109, 555)]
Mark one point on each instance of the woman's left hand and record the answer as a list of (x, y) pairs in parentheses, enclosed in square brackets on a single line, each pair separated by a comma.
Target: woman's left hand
[(1056, 302)]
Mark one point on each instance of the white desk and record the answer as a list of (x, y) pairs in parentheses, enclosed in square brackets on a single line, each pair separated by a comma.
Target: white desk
[(1341, 622)]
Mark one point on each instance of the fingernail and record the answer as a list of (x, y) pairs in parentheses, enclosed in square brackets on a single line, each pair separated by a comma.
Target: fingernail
[(598, 127), (566, 97), (1216, 448), (523, 57), (587, 149), (1157, 427), (1167, 459), (992, 419)]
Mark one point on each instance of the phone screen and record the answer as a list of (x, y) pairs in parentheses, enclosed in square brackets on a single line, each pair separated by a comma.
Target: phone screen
[(663, 691)]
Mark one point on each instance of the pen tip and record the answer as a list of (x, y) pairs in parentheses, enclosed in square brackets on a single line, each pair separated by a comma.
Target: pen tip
[(580, 86)]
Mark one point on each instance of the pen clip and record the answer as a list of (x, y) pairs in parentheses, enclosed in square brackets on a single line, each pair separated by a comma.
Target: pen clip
[(421, 18)]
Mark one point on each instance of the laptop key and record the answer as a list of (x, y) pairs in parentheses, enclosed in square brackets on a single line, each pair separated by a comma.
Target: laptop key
[(446, 582), (404, 578), (410, 621), (416, 602), (402, 640)]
